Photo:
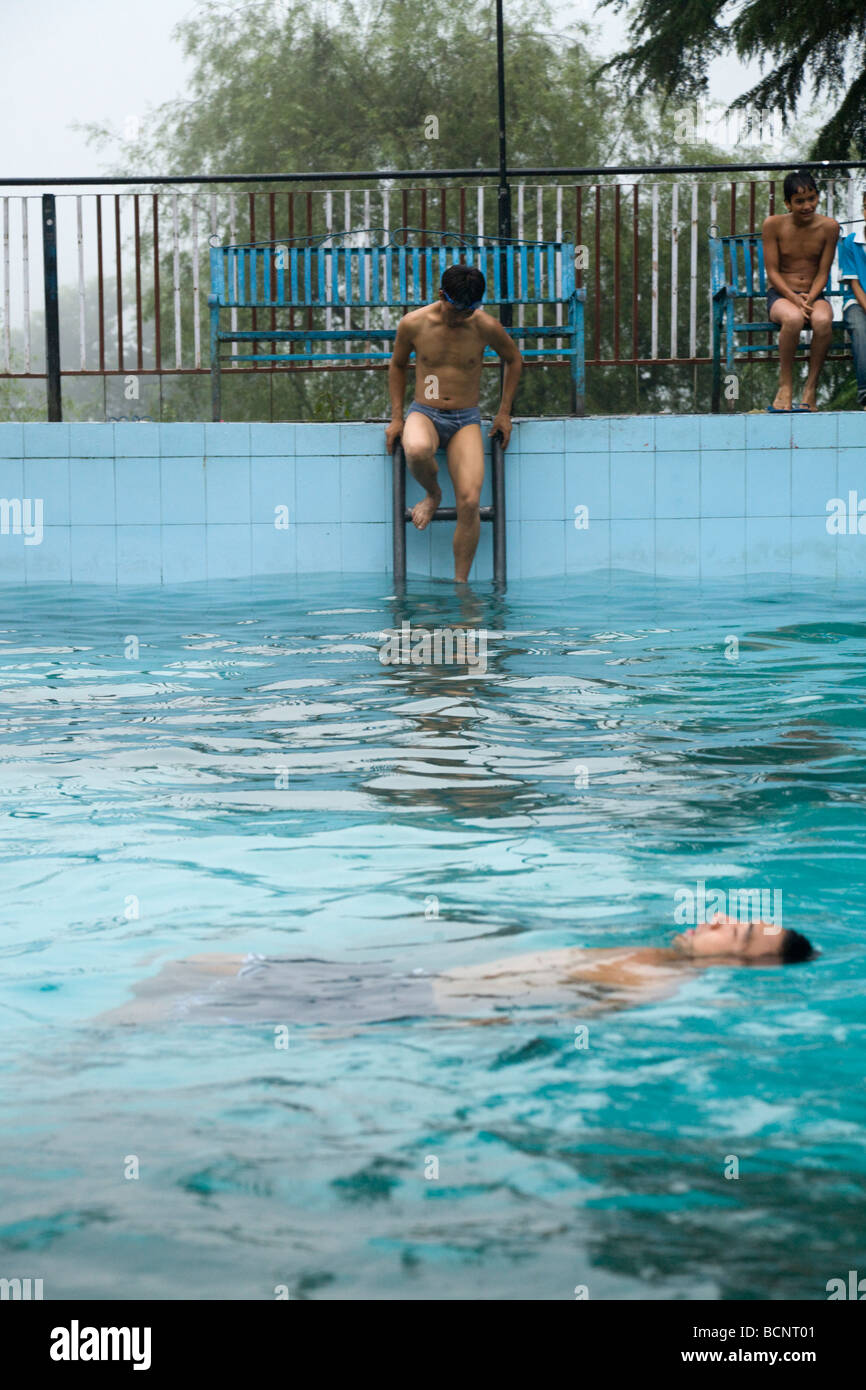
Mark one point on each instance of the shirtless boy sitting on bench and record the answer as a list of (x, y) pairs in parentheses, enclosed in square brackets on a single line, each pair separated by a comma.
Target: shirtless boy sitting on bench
[(799, 247)]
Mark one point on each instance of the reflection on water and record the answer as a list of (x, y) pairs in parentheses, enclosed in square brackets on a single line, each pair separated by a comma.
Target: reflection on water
[(232, 769)]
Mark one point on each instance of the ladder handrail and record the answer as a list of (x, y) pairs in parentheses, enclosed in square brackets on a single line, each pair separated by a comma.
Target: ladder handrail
[(494, 514)]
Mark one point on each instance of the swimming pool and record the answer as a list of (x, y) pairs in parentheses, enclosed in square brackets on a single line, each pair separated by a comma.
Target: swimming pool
[(230, 767)]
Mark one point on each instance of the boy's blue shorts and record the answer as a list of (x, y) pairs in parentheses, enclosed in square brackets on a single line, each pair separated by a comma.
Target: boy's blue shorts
[(447, 422), (774, 294)]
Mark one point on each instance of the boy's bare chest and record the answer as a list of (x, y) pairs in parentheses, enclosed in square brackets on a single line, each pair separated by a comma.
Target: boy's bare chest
[(797, 245), (437, 345)]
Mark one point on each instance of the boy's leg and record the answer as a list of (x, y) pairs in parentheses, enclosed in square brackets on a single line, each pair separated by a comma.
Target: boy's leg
[(791, 320), (855, 317), (466, 466), (420, 442), (821, 324)]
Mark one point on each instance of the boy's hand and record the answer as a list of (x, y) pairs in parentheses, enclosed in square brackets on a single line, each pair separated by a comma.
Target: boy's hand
[(392, 434), (805, 304), (503, 424)]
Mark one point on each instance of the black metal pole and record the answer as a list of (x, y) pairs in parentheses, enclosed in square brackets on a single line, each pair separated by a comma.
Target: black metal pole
[(504, 190), (52, 317), (399, 512), (499, 566)]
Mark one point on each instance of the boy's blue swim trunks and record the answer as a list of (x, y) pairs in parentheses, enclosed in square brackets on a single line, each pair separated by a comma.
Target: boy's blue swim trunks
[(447, 422)]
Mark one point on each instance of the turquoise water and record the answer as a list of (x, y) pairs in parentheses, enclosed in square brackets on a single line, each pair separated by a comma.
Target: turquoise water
[(252, 778)]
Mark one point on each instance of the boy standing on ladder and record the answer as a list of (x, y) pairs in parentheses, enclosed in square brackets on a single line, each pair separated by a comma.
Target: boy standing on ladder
[(449, 338)]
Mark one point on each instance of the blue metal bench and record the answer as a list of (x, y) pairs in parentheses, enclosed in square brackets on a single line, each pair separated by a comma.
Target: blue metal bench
[(347, 272), (737, 272)]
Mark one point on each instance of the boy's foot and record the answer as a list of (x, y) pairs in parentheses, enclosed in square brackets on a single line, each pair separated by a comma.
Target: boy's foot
[(424, 511), (808, 400), (783, 398)]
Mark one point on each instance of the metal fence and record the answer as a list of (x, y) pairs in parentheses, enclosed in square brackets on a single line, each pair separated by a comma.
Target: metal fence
[(129, 263)]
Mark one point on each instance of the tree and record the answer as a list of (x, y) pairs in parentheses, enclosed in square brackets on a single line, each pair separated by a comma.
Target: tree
[(277, 85), (673, 45)]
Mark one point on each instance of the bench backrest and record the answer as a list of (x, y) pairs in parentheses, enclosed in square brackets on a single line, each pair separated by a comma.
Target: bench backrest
[(738, 262), (275, 274)]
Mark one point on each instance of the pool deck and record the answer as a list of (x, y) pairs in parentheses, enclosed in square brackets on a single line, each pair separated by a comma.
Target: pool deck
[(694, 497)]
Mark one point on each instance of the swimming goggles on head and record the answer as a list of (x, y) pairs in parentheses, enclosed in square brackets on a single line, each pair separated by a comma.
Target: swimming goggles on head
[(458, 305)]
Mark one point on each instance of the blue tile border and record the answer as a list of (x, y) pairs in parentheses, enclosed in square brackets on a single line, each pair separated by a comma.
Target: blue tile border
[(723, 547), (631, 433), (677, 432), (542, 495), (587, 484), (226, 439), (678, 484), (42, 441), (274, 440), (177, 439), (94, 554), (91, 493), (542, 436), (632, 486), (48, 479), (11, 440), (587, 436), (139, 553), (227, 490), (136, 439), (13, 472), (678, 547), (818, 431), (53, 562), (91, 441), (851, 429), (678, 496), (768, 431), (632, 545), (722, 431), (723, 482), (360, 439), (316, 439), (768, 482), (184, 553)]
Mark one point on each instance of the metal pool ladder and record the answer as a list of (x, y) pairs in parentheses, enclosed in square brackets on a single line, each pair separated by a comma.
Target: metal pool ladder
[(494, 513)]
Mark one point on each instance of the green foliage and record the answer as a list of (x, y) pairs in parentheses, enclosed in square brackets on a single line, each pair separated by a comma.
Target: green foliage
[(285, 86), (21, 400), (819, 46)]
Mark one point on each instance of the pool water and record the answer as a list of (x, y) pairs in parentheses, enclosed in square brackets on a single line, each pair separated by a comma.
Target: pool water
[(231, 768)]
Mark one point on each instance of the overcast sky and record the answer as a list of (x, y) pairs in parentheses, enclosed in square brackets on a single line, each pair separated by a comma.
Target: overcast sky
[(112, 60)]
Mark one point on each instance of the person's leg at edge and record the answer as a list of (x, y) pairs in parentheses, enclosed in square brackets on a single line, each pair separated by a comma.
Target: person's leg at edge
[(466, 466), (420, 442), (821, 324), (791, 321), (855, 317)]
